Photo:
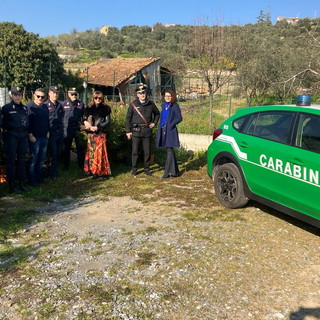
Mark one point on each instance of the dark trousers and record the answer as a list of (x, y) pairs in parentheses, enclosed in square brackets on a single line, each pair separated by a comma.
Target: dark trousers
[(16, 148), (171, 166), (67, 148), (146, 143), (38, 152), (55, 145)]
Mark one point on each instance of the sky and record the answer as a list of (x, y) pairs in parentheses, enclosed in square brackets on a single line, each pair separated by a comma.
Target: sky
[(54, 17)]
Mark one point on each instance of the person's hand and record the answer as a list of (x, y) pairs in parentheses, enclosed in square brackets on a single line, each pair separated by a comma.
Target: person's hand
[(151, 125), (129, 135), (87, 125), (32, 138), (93, 128)]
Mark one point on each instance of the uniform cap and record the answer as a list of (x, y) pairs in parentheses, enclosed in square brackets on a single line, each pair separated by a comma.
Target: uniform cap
[(54, 89), (16, 90), (141, 87), (72, 90)]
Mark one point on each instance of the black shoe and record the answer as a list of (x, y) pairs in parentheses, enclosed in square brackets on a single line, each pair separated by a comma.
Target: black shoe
[(22, 187), (41, 181), (13, 188), (95, 176), (175, 176), (134, 172), (106, 177), (54, 176), (165, 177), (148, 173), (33, 184), (88, 174)]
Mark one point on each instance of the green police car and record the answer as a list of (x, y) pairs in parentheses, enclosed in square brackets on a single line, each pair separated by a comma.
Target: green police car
[(270, 154)]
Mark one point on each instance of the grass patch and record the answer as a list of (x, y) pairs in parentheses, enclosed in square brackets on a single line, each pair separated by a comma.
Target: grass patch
[(145, 259), (212, 215)]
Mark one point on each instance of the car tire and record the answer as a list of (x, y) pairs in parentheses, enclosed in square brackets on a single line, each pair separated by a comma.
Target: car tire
[(228, 186)]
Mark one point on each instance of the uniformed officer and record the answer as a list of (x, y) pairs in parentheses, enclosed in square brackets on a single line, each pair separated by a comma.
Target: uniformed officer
[(15, 125), (73, 114), (141, 117), (55, 143)]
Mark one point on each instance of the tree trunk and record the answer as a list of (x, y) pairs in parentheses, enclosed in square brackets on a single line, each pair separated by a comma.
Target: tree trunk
[(210, 104)]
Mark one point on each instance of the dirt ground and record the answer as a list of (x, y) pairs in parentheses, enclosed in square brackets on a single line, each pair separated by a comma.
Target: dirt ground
[(163, 257)]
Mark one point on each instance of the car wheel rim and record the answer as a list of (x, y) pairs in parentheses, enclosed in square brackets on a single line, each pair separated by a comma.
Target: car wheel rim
[(227, 186)]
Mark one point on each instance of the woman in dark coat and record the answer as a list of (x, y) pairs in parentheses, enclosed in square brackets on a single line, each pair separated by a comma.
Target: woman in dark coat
[(167, 135), (96, 120)]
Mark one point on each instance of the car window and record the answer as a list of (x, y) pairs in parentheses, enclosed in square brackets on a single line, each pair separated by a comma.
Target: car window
[(237, 124), (271, 125), (308, 135)]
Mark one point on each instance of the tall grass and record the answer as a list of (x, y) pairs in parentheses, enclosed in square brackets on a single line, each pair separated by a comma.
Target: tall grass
[(196, 114)]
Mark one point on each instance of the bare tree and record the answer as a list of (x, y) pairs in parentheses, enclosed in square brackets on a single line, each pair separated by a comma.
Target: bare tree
[(215, 51), (308, 73)]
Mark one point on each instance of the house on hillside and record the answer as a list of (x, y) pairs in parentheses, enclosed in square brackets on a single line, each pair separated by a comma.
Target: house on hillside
[(290, 20), (118, 78)]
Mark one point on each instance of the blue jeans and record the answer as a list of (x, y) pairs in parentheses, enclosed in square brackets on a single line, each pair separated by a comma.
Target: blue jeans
[(38, 151)]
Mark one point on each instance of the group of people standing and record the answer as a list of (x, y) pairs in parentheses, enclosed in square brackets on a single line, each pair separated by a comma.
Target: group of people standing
[(48, 127)]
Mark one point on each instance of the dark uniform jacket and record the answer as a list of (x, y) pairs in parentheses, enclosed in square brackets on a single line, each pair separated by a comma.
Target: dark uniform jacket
[(135, 124), (15, 119), (98, 116), (73, 114), (56, 116), (167, 136)]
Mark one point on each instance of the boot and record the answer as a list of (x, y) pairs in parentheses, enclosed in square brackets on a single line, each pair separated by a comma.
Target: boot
[(13, 188), (22, 186)]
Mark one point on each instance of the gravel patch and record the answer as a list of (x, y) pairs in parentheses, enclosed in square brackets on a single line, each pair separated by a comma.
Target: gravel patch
[(118, 258)]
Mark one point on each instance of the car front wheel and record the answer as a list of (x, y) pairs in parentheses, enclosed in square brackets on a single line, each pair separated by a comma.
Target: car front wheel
[(228, 186)]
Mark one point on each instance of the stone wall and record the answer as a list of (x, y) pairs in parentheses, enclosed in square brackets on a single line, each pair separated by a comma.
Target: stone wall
[(195, 142)]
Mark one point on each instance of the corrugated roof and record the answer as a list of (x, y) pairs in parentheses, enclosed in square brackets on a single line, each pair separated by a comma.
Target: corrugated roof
[(112, 72)]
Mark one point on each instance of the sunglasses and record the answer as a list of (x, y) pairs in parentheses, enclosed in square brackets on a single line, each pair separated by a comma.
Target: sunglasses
[(39, 97), (73, 94), (97, 98), (141, 92)]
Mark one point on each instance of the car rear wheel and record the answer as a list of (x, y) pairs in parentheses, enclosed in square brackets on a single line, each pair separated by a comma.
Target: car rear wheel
[(228, 186)]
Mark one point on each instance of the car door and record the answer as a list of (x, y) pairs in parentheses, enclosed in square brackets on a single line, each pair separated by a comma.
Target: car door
[(265, 139), (301, 186)]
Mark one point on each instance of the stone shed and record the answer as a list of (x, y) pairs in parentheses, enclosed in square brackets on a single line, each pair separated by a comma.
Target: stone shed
[(117, 78)]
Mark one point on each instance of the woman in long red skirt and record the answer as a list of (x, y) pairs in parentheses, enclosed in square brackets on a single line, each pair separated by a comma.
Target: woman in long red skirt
[(96, 120)]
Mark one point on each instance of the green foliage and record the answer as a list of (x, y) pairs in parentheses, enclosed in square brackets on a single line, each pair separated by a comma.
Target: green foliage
[(119, 147), (262, 57), (168, 43), (25, 59)]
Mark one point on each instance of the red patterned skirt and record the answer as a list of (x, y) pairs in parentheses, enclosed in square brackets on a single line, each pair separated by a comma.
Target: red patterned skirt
[(96, 159)]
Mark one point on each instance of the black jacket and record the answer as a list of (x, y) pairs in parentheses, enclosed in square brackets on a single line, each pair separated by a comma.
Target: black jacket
[(73, 114), (100, 115), (150, 112), (56, 115), (15, 120)]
